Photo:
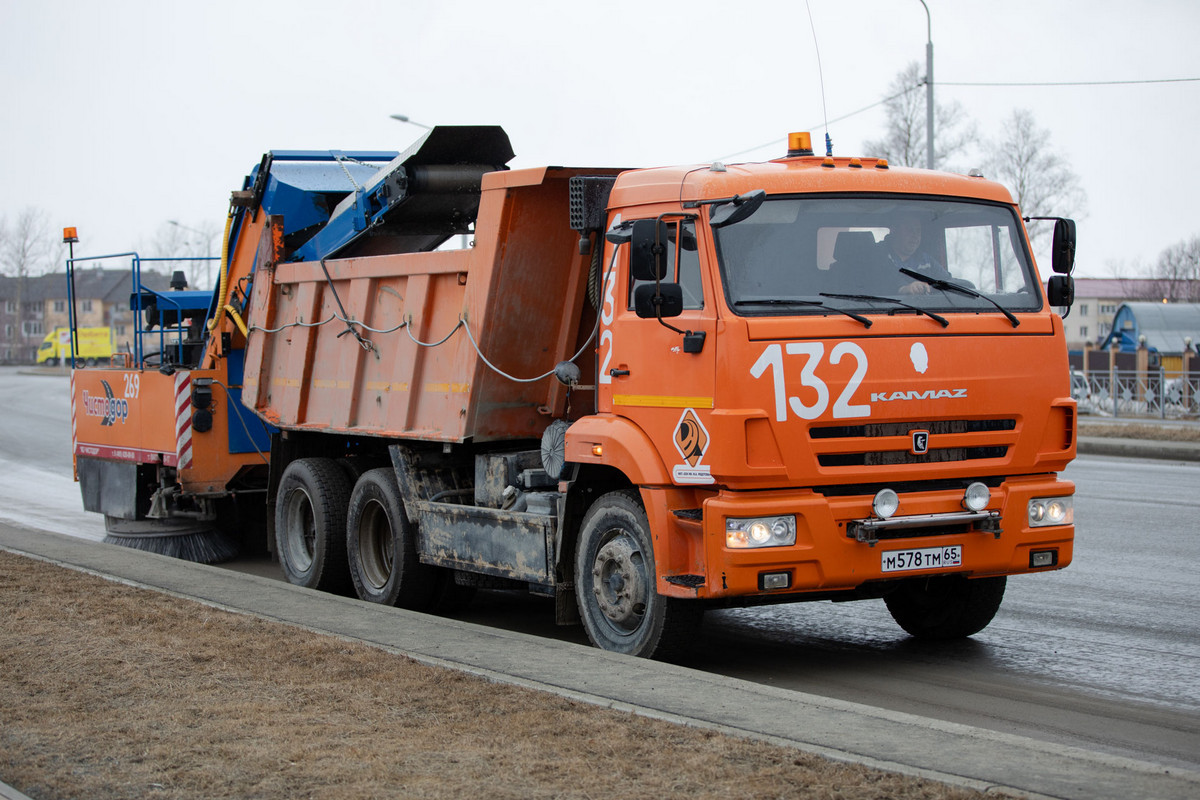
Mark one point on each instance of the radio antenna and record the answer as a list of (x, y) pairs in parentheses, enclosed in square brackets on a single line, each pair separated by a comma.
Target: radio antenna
[(821, 76)]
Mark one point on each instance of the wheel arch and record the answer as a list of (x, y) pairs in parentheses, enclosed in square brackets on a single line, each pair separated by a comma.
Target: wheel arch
[(606, 440)]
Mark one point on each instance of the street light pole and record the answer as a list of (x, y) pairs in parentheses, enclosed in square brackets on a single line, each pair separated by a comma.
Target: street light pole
[(404, 118), (929, 160)]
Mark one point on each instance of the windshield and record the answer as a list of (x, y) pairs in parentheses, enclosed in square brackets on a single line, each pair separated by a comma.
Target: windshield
[(813, 254)]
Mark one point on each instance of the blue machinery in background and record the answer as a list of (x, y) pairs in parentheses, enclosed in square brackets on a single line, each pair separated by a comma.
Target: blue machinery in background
[(328, 200), (151, 308), (331, 199)]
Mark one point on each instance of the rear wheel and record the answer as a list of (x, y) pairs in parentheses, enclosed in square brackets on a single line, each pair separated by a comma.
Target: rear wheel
[(379, 542), (946, 607), (310, 524), (615, 584)]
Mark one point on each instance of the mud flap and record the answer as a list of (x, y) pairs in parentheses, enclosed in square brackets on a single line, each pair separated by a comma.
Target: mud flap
[(109, 487)]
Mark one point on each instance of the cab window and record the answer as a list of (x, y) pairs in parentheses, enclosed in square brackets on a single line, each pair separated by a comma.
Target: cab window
[(683, 265)]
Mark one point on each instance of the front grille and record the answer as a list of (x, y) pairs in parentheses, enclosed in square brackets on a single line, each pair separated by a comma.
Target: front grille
[(882, 458), (935, 427), (887, 444)]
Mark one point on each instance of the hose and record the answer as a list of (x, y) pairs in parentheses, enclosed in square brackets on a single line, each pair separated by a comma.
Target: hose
[(224, 285)]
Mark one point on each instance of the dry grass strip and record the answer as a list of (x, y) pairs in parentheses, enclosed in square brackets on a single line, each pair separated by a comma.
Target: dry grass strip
[(108, 691)]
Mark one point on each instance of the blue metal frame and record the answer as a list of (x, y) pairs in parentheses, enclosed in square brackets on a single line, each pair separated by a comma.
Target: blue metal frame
[(179, 301)]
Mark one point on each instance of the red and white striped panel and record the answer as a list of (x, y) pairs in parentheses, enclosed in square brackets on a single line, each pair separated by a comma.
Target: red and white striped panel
[(183, 419), (74, 431)]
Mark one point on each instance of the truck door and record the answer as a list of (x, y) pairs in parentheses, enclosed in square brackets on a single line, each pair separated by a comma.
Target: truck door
[(660, 373)]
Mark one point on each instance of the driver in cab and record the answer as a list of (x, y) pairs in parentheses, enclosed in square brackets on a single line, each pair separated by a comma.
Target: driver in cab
[(902, 246)]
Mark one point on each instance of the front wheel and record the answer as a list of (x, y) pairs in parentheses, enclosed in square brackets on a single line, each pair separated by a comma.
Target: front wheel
[(310, 524), (615, 584), (946, 607)]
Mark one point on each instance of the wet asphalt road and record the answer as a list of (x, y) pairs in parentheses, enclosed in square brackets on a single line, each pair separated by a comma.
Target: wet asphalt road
[(1103, 655)]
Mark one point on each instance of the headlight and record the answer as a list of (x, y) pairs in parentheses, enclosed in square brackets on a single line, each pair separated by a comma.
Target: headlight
[(760, 532), (1045, 511)]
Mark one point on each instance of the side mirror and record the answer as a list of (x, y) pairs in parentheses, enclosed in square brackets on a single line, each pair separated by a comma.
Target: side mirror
[(1061, 290), (659, 301), (648, 255), (737, 209), (1062, 258)]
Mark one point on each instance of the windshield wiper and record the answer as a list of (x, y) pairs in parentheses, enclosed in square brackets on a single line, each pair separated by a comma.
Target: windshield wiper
[(947, 286), (871, 297), (779, 301)]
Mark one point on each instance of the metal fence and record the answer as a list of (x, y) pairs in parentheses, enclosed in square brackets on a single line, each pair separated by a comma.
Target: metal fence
[(1128, 393)]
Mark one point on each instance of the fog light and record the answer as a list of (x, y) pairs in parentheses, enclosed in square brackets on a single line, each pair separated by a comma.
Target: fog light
[(774, 580), (976, 497), (1043, 558), (886, 503)]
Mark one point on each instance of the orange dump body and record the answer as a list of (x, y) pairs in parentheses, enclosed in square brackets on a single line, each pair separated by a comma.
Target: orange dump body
[(427, 321)]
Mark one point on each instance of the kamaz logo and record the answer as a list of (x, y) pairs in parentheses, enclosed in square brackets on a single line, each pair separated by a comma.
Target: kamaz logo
[(109, 408), (913, 394)]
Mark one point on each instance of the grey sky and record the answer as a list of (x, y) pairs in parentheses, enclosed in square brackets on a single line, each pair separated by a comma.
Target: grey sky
[(122, 114)]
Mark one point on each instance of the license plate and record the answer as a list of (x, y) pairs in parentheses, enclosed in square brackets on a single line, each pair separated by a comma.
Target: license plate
[(921, 558)]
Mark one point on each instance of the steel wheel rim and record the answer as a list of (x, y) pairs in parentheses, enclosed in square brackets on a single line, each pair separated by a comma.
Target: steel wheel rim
[(376, 553), (301, 530), (620, 582)]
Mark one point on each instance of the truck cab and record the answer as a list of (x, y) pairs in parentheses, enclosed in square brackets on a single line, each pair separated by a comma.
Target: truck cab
[(812, 408)]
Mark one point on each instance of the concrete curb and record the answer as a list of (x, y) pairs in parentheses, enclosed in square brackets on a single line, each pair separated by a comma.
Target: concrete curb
[(9, 793), (1138, 448), (957, 754)]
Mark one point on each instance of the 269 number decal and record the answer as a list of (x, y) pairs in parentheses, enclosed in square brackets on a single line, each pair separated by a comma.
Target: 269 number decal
[(815, 402)]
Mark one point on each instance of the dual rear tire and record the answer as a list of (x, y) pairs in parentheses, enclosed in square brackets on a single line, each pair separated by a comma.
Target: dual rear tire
[(347, 533), (310, 524), (380, 546)]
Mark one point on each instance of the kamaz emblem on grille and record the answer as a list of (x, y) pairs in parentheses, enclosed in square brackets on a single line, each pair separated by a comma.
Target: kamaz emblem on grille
[(920, 442), (913, 394)]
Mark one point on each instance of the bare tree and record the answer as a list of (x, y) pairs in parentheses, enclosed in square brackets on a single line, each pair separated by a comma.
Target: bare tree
[(1176, 274), (26, 251), (903, 142), (28, 248), (1042, 181), (178, 241)]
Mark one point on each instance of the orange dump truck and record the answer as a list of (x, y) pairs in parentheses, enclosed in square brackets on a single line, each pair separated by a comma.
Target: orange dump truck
[(641, 392)]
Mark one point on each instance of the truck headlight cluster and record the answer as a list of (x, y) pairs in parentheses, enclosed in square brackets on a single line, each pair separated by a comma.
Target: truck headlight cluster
[(1044, 511), (760, 532)]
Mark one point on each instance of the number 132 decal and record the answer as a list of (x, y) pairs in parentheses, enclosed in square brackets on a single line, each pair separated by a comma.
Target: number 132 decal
[(773, 358)]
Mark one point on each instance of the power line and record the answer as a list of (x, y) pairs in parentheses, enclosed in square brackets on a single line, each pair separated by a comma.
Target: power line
[(876, 104), (1073, 83)]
